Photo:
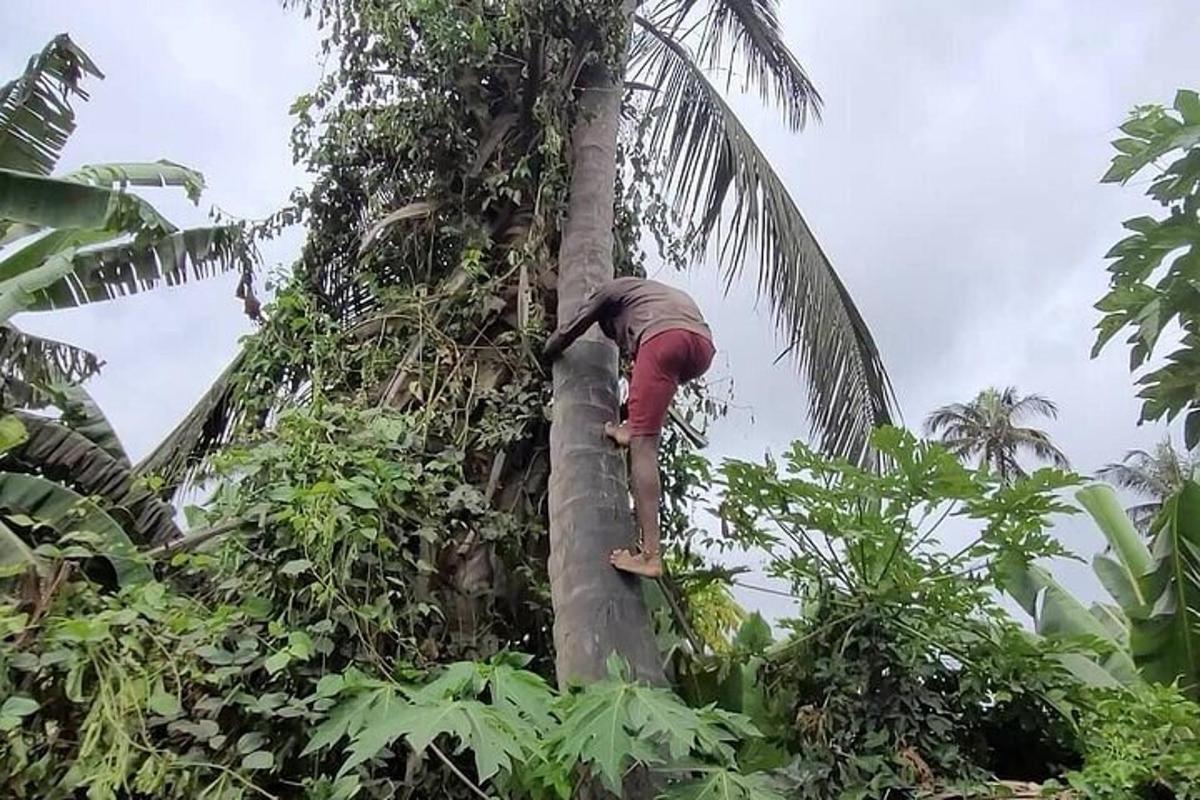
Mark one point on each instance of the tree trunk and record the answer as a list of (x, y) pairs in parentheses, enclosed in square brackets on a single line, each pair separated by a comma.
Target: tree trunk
[(597, 609)]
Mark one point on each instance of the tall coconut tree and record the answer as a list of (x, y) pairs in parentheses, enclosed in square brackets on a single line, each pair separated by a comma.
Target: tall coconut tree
[(457, 178), (988, 429), (1155, 476), (719, 179)]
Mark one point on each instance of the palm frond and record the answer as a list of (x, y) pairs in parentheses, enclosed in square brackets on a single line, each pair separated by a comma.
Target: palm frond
[(951, 418), (32, 360), (1030, 404), (717, 174), (66, 456), (1134, 477), (1039, 443), (36, 117), (749, 31), (179, 458)]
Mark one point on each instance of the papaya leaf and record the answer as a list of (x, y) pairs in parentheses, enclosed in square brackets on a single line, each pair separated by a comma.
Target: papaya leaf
[(726, 784)]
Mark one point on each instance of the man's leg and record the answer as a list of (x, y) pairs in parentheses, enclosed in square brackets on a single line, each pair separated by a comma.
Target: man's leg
[(647, 492)]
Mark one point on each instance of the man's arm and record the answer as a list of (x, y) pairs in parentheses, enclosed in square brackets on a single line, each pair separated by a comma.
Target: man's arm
[(587, 314)]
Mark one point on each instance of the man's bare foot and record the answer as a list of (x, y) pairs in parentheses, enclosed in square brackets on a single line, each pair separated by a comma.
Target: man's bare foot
[(644, 564), (618, 433)]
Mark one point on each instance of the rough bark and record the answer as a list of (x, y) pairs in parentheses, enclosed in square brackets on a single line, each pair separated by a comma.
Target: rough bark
[(597, 610)]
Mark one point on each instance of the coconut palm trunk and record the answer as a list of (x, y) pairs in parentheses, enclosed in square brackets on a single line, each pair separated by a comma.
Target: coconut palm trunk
[(597, 609)]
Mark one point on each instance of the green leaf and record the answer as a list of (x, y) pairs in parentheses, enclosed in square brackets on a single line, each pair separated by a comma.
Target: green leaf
[(82, 414), (92, 469), (1187, 103), (611, 724), (278, 662), (494, 740), (1102, 504), (725, 784), (754, 636), (16, 557), (149, 262), (363, 500), (1059, 615), (520, 692), (295, 566), (36, 117), (65, 204), (18, 706), (165, 704), (65, 511), (259, 759), (344, 719), (330, 685), (12, 432), (1166, 641), (249, 742)]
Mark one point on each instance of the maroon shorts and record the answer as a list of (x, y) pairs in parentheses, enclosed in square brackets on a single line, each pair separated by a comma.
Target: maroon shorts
[(664, 361)]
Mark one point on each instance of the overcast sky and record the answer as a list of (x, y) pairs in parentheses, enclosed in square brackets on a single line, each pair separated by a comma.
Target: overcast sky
[(953, 182)]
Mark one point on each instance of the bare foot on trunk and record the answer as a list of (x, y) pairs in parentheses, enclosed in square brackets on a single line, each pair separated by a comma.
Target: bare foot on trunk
[(618, 433), (644, 564)]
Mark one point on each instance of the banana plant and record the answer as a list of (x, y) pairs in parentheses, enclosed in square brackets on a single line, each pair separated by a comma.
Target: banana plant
[(82, 236), (32, 504), (1151, 631)]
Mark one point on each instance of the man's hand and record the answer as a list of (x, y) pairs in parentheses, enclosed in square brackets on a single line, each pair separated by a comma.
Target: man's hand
[(554, 346)]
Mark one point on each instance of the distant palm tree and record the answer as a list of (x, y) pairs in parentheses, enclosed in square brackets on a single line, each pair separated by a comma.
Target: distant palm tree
[(988, 426), (1155, 476)]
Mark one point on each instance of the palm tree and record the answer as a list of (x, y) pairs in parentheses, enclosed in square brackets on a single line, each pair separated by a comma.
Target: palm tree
[(642, 81), (989, 427), (717, 177), (1156, 476)]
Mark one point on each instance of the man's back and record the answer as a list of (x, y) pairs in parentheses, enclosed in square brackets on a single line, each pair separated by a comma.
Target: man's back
[(636, 308)]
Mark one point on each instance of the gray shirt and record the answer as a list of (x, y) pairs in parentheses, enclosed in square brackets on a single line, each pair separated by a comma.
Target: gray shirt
[(630, 310)]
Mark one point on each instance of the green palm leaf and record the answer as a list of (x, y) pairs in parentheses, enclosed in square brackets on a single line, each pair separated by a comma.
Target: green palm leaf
[(718, 177), (748, 31), (35, 113)]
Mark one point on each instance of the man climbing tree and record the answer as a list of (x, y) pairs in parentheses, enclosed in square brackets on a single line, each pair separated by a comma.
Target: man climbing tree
[(662, 329)]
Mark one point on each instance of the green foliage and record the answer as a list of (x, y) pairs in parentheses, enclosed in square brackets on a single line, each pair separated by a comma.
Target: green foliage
[(132, 677), (83, 237), (1143, 743), (532, 742), (901, 658), (1142, 296), (1153, 630)]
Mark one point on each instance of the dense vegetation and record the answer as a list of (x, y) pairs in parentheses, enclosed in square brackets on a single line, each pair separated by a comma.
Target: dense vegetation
[(362, 606)]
